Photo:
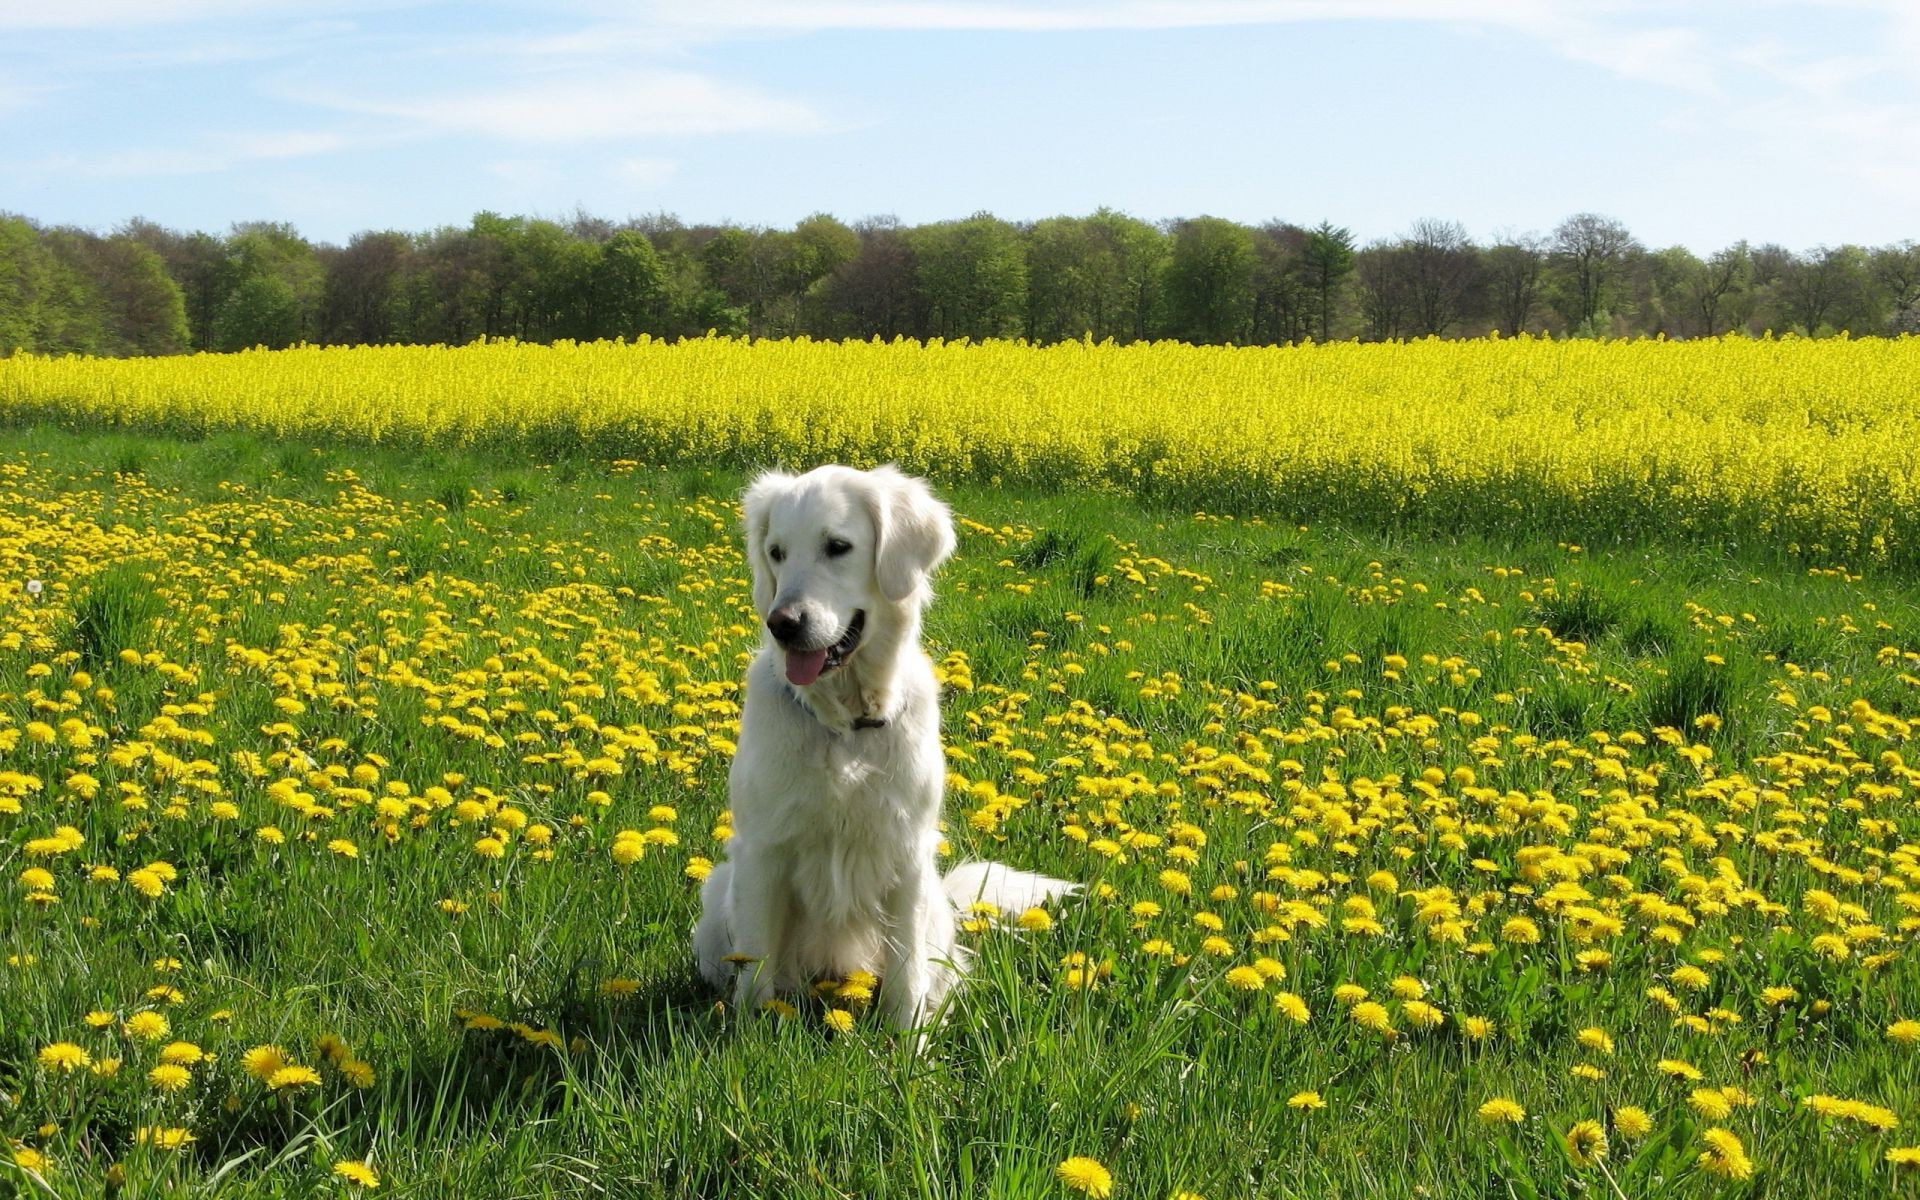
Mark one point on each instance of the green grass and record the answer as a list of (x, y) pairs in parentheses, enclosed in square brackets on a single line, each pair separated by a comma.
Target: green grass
[(343, 566)]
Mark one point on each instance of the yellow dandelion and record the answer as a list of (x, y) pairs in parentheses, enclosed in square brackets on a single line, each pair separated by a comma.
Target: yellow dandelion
[(64, 1057), (170, 1077), (1087, 1176), (1632, 1122), (293, 1077), (1586, 1143), (1724, 1155), (262, 1061)]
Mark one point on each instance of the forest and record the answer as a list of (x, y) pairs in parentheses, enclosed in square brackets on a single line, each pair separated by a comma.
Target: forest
[(145, 289)]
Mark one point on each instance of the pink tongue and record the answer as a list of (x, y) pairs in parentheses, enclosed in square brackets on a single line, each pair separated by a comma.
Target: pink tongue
[(804, 666)]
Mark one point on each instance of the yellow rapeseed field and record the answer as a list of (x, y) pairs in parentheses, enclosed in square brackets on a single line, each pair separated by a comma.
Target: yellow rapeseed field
[(1793, 443)]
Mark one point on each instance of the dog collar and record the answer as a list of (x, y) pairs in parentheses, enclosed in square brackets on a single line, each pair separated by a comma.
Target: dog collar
[(860, 722)]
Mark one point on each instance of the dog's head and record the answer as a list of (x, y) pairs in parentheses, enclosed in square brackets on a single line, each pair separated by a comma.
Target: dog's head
[(834, 549)]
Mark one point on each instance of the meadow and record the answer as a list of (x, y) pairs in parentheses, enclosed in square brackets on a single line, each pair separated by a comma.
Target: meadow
[(359, 758)]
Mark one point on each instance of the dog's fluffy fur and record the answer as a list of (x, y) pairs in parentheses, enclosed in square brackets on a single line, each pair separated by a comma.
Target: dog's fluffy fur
[(837, 783)]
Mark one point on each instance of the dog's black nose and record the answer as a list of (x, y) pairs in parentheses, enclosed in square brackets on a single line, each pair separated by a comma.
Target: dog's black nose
[(786, 624)]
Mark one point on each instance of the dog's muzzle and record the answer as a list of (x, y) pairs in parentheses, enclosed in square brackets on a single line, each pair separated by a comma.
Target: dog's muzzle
[(805, 666)]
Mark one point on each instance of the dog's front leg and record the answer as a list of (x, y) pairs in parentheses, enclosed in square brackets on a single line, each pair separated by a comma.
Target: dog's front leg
[(761, 915), (907, 994)]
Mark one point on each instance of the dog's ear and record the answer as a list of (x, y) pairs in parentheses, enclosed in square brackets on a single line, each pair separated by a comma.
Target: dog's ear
[(913, 533), (755, 507)]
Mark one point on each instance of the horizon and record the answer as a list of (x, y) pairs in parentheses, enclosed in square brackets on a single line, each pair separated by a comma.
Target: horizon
[(1700, 125)]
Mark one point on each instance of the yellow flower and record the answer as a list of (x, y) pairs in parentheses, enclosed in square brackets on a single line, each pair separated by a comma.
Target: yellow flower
[(344, 848), (1372, 1016), (1632, 1122), (1520, 931), (1087, 1176), (1500, 1109), (1586, 1143), (1292, 1007), (1724, 1155), (1904, 1156), (839, 1020), (1477, 1029), (164, 1139), (357, 1073), (1709, 1103), (490, 847), (29, 1159), (262, 1061), (1037, 920), (169, 1077), (356, 1171), (148, 1026), (1678, 1068), (1595, 1038), (1246, 979), (293, 1077), (1904, 1032), (1306, 1102), (147, 882), (64, 1057)]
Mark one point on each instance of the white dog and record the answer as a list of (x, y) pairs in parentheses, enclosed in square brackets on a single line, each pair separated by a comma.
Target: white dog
[(837, 783)]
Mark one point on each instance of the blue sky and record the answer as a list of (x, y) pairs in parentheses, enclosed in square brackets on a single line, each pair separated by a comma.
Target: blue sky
[(1694, 122)]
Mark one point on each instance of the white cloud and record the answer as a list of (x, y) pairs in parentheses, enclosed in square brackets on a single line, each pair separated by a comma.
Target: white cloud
[(628, 104), (125, 14), (644, 173), (216, 153), (802, 15)]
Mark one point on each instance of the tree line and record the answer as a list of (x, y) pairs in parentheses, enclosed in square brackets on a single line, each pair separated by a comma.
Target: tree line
[(146, 289)]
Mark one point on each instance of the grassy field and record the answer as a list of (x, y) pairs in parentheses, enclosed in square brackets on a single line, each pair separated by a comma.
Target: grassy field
[(367, 790)]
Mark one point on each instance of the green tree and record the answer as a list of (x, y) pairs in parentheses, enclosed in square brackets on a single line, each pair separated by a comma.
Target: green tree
[(629, 287), (1285, 300), (1514, 268), (1209, 288), (261, 311), (1591, 253), (973, 276), (1328, 261)]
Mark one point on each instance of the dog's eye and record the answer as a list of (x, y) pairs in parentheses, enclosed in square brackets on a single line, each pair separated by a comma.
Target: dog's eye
[(837, 546), (776, 554)]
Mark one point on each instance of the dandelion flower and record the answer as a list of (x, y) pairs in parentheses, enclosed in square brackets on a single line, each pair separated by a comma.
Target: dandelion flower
[(64, 1057), (1632, 1122), (839, 1020), (147, 1026), (1369, 1014), (1292, 1007), (1724, 1155), (293, 1077), (169, 1077), (356, 1171), (164, 1139), (1087, 1176), (1306, 1102), (263, 1061), (1709, 1103), (1246, 979), (1586, 1143), (1500, 1109)]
